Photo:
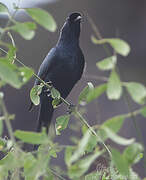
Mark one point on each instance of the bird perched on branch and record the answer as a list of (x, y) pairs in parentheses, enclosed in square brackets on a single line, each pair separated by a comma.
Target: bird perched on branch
[(63, 66)]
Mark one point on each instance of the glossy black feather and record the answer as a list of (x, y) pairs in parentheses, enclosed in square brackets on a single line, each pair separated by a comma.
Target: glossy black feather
[(63, 66)]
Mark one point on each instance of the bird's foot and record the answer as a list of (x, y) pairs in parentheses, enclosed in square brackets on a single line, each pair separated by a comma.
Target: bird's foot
[(48, 90), (50, 83), (71, 108)]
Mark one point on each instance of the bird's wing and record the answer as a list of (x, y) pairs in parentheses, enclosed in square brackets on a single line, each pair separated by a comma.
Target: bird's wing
[(47, 65), (81, 63)]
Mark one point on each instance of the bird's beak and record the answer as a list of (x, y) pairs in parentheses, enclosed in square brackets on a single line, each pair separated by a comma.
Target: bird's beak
[(78, 18)]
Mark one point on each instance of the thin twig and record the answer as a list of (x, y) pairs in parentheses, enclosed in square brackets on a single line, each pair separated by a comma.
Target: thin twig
[(82, 119), (98, 34), (10, 19), (100, 78), (56, 174), (7, 120), (138, 132)]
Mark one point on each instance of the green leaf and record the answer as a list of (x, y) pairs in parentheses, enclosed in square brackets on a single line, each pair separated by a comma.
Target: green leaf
[(12, 49), (36, 166), (105, 176), (133, 153), (107, 63), (11, 54), (52, 152), (11, 162), (117, 139), (31, 137), (17, 76), (84, 129), (68, 154), (96, 92), (137, 91), (32, 169), (115, 123), (26, 29), (43, 18), (113, 172), (56, 102), (7, 163), (120, 162), (114, 88), (84, 93), (120, 46), (92, 143), (26, 74), (49, 176), (81, 147), (143, 111), (81, 166), (74, 140), (2, 143), (3, 8), (61, 123), (9, 73), (34, 94), (93, 176), (55, 93), (7, 159)]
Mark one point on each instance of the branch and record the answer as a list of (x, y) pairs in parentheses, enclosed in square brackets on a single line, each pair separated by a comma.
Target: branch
[(7, 120), (82, 119)]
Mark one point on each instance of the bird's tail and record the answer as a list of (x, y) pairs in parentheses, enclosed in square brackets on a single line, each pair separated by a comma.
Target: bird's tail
[(45, 114)]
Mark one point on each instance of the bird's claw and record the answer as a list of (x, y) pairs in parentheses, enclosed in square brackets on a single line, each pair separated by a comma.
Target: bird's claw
[(50, 83), (71, 108)]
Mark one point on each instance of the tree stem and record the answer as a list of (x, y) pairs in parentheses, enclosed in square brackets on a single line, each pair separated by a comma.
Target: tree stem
[(7, 120)]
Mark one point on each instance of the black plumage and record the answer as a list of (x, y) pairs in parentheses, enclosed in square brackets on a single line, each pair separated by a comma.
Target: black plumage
[(63, 66)]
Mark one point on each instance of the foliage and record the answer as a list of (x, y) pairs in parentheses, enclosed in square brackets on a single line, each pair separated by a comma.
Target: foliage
[(93, 145)]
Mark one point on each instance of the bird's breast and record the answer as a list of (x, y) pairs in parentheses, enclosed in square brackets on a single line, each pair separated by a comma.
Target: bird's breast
[(64, 76)]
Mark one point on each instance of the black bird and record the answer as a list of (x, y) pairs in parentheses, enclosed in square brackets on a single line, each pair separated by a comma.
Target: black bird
[(63, 66)]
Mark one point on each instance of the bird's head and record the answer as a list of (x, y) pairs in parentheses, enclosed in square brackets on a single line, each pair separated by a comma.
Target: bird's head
[(74, 18), (71, 27)]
